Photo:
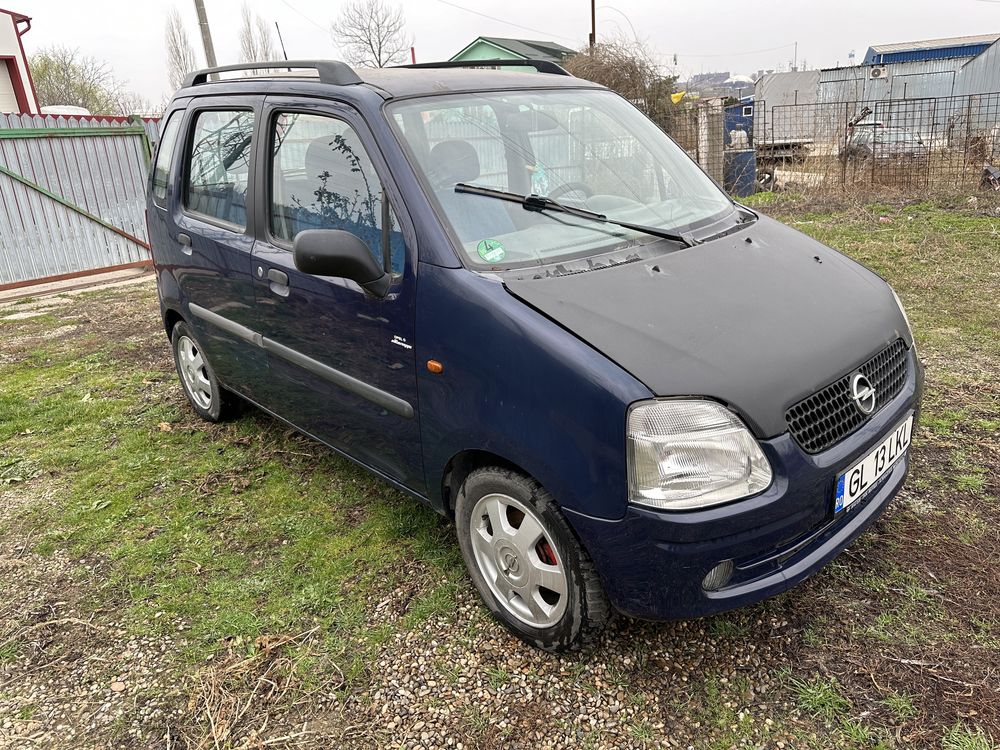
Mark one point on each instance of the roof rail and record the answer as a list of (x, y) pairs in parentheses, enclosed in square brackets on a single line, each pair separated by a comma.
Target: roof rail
[(330, 71), (542, 66)]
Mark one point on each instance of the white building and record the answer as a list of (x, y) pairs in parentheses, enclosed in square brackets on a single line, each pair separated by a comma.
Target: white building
[(17, 92)]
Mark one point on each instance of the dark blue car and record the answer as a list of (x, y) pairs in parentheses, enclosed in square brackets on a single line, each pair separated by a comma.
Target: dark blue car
[(511, 296)]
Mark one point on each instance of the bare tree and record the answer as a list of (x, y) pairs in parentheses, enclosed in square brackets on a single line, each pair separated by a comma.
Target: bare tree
[(180, 54), (256, 43), (626, 66), (371, 33), (63, 75)]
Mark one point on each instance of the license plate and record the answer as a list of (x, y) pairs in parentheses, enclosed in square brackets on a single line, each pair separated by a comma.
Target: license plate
[(856, 481)]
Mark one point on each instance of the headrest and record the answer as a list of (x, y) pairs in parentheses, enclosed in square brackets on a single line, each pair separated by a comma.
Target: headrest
[(454, 161)]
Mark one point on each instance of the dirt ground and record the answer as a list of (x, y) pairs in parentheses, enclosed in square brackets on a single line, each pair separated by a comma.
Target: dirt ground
[(165, 583)]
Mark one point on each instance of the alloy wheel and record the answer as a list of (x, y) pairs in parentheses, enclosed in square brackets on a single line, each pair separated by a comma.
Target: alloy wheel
[(194, 373), (518, 560)]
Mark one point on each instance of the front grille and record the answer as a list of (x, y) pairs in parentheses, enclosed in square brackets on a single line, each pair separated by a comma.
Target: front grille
[(828, 416)]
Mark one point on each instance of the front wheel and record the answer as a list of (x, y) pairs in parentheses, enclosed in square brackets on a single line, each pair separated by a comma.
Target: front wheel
[(526, 563)]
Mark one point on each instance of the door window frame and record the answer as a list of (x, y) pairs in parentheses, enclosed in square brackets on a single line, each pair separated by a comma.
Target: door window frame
[(277, 105), (250, 104)]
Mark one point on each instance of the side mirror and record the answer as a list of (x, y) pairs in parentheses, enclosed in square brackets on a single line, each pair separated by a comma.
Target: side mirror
[(334, 252)]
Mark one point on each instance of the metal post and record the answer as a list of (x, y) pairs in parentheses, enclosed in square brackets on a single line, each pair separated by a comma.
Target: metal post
[(875, 145), (968, 136), (206, 35), (847, 143), (147, 145)]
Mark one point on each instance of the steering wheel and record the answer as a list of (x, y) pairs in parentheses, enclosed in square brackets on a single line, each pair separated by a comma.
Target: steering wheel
[(570, 187)]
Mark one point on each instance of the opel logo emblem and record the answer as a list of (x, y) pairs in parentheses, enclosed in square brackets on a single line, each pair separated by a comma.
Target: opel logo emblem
[(863, 393)]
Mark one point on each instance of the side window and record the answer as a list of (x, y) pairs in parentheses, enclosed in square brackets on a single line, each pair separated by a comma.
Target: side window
[(161, 169), (322, 178), (220, 163)]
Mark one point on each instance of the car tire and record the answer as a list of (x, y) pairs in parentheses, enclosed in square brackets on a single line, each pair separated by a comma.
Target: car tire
[(514, 541), (209, 399)]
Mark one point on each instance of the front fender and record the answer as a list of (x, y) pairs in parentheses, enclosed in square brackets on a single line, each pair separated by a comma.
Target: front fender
[(518, 385)]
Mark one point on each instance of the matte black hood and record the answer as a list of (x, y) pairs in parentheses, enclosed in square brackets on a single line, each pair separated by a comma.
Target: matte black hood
[(758, 325)]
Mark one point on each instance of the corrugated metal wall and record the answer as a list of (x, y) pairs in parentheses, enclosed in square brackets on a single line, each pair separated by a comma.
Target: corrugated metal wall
[(909, 80), (925, 79), (101, 175), (981, 75)]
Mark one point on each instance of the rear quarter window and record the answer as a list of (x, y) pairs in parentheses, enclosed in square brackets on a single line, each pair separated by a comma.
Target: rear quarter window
[(162, 168)]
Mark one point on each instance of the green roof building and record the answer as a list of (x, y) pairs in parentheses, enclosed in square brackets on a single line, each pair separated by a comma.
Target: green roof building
[(500, 48)]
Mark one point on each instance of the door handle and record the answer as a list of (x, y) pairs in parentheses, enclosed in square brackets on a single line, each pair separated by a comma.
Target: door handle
[(278, 282), (185, 242)]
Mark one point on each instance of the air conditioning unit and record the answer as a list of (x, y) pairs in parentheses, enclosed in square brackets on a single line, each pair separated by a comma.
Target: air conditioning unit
[(878, 71)]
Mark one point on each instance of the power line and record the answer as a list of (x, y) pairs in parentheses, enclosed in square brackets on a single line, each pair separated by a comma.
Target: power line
[(737, 54), (501, 20), (627, 19), (317, 24)]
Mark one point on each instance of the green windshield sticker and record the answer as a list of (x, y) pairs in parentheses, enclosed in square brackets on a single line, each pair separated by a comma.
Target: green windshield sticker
[(491, 251)]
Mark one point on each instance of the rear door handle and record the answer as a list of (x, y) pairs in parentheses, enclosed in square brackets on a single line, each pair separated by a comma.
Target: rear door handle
[(185, 242)]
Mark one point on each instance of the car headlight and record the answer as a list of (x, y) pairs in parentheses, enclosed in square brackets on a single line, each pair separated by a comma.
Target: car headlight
[(691, 454), (906, 318)]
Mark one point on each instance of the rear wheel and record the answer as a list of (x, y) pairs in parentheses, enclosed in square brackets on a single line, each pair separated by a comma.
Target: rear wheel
[(201, 386), (527, 564)]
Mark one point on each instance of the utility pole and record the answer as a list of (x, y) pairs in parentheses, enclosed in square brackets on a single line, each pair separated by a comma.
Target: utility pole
[(206, 34), (593, 25)]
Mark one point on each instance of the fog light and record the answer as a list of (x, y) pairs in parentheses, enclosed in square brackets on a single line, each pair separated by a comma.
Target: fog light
[(718, 576)]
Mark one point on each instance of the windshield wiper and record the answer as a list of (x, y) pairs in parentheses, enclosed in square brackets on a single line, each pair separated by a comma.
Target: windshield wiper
[(541, 203)]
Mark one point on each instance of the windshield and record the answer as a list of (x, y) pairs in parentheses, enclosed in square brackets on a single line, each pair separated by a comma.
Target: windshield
[(896, 136), (588, 149)]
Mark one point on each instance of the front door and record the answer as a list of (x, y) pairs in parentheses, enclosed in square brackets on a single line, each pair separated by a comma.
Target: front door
[(341, 361)]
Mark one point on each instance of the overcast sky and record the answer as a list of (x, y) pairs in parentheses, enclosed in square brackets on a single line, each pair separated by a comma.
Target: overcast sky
[(706, 35)]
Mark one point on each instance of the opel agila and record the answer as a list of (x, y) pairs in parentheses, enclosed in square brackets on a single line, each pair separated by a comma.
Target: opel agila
[(513, 297)]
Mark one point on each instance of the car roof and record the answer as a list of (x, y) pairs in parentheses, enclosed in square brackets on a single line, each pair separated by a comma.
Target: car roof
[(391, 83), (416, 81)]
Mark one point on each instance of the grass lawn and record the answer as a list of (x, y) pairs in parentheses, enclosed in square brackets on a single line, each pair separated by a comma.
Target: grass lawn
[(169, 583)]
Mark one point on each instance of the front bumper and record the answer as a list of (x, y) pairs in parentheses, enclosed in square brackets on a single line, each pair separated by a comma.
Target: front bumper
[(652, 563)]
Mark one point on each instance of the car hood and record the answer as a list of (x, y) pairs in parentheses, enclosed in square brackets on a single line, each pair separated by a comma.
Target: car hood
[(758, 319)]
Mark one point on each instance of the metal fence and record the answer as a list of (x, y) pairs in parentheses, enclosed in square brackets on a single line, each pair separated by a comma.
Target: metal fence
[(917, 145), (701, 131), (71, 195)]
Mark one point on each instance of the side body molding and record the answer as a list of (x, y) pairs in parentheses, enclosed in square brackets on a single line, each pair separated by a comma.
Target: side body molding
[(387, 401)]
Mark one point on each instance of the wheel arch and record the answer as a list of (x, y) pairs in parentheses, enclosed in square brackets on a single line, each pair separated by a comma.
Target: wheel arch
[(464, 463), (171, 318)]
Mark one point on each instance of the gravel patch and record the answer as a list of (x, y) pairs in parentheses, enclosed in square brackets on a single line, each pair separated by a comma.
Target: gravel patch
[(72, 675)]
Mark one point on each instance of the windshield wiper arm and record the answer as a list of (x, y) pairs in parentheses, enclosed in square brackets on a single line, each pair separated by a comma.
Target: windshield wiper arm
[(541, 203)]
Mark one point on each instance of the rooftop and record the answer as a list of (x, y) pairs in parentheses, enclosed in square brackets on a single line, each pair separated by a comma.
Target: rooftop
[(955, 41), (526, 48), (17, 16)]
